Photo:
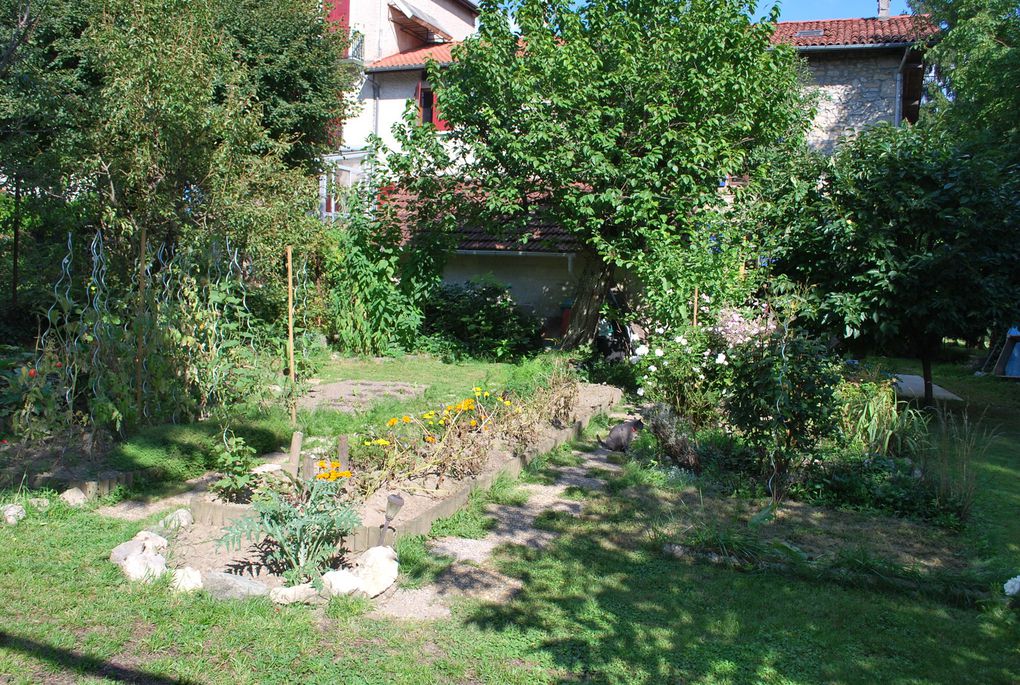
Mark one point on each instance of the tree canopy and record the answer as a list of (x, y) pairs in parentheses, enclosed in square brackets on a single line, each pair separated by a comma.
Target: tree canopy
[(616, 119)]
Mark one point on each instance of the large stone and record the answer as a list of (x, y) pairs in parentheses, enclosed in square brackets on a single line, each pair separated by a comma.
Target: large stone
[(145, 567), (228, 586), (73, 497), (13, 513), (127, 549), (186, 579), (377, 570), (298, 594), (181, 518), (152, 541), (265, 469), (39, 503), (341, 582)]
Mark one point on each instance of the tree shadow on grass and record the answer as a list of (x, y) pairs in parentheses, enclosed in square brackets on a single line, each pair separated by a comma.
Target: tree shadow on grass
[(74, 662), (606, 606)]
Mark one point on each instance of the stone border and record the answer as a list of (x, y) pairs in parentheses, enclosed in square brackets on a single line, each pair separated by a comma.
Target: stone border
[(211, 512)]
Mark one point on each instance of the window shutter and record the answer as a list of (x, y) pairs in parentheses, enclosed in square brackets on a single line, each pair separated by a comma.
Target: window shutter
[(441, 123)]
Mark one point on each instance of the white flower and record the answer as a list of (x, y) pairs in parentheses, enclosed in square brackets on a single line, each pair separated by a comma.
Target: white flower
[(1012, 587), (660, 330), (641, 351), (641, 392), (721, 359), (706, 353), (696, 369), (679, 339), (653, 368), (635, 359), (665, 362), (659, 352)]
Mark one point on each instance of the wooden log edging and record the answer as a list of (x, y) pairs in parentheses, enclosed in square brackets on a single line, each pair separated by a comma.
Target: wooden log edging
[(103, 484), (209, 511)]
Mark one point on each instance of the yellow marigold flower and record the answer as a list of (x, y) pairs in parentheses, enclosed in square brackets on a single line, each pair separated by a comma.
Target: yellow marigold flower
[(367, 443), (486, 393), (335, 464), (430, 438), (429, 415), (406, 419), (473, 423), (449, 407), (392, 422), (321, 464), (476, 389), (506, 402), (442, 422), (322, 476), (381, 442), (344, 474), (432, 423)]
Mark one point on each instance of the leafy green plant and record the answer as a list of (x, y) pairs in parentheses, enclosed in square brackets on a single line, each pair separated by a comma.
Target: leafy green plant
[(235, 461), (872, 419), (306, 526), (481, 319)]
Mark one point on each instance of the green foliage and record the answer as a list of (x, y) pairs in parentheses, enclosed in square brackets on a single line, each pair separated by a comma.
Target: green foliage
[(480, 319), (784, 399), (978, 61), (874, 421), (368, 311), (235, 461), (615, 121), (305, 525), (905, 239)]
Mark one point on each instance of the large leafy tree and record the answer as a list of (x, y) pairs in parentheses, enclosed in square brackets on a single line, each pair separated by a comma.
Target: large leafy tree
[(904, 239), (616, 119), (978, 60)]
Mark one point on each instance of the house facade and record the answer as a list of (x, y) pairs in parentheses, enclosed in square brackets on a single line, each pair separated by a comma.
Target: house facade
[(863, 71)]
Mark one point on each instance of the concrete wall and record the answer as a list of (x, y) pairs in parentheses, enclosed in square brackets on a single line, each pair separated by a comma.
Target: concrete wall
[(394, 88), (854, 90), (539, 283)]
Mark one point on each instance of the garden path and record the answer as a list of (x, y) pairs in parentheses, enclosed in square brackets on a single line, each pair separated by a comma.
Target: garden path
[(472, 573)]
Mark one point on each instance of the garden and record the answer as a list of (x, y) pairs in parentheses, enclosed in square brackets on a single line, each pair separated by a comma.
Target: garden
[(239, 443)]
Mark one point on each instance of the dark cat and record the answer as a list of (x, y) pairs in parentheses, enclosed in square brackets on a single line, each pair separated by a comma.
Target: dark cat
[(620, 436)]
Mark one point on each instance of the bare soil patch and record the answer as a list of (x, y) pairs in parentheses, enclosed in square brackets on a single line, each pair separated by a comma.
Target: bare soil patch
[(353, 396)]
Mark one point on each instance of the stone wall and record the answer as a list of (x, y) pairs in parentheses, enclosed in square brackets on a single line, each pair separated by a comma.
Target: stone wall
[(854, 91)]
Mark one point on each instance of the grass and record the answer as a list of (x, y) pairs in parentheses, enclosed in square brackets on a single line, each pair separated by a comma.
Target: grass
[(602, 604)]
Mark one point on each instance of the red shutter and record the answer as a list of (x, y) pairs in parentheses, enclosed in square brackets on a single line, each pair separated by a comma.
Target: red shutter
[(441, 123)]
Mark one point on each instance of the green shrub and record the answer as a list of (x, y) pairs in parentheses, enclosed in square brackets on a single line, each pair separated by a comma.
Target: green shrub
[(874, 421), (480, 319)]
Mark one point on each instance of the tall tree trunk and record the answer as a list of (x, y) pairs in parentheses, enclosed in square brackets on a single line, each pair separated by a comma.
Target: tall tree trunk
[(16, 226), (591, 293)]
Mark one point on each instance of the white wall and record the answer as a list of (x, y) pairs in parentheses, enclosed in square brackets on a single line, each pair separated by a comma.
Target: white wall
[(383, 37), (539, 283)]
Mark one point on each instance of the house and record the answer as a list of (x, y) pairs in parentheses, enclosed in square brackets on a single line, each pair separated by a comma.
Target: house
[(864, 71)]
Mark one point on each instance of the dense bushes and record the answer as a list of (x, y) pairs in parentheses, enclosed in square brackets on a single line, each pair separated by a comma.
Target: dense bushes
[(479, 319)]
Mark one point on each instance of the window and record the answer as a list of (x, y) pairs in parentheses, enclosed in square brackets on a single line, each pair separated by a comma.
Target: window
[(428, 108)]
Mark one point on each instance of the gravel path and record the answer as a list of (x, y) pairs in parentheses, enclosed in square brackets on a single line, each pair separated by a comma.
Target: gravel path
[(472, 573)]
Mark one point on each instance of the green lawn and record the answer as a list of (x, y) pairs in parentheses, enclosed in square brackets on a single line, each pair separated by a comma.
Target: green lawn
[(602, 605)]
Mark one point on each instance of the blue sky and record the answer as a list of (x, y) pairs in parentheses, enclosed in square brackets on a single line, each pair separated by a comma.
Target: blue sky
[(799, 10)]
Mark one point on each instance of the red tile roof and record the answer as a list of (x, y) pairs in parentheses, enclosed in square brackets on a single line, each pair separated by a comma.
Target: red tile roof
[(542, 236), (415, 58), (903, 28)]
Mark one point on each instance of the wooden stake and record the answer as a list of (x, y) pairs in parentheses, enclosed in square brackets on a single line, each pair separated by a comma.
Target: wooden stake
[(290, 336), (343, 453), (295, 452), (695, 306), (140, 337)]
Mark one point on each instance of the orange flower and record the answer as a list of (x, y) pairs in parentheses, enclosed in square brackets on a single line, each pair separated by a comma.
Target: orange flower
[(392, 422), (430, 438)]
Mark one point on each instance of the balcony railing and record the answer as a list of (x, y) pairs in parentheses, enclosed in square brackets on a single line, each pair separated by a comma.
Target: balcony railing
[(356, 49)]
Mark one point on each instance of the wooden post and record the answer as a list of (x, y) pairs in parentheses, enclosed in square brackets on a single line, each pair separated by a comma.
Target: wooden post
[(308, 469), (290, 335), (695, 306), (295, 452), (343, 453), (140, 336)]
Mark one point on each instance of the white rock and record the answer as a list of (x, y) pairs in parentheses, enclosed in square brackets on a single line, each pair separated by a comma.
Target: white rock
[(264, 469), (299, 594), (178, 519), (341, 582), (127, 549), (377, 570), (40, 503), (145, 567), (229, 586), (186, 579), (73, 497), (13, 513), (152, 542)]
